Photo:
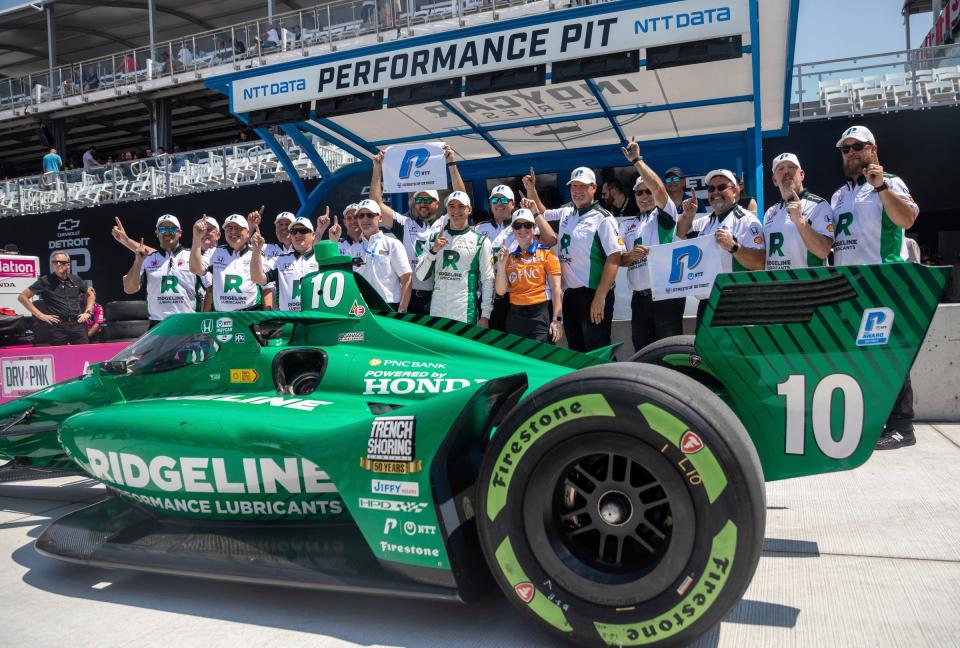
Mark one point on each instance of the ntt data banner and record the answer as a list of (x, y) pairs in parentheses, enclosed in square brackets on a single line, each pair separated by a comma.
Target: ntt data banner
[(420, 167), (616, 30), (684, 268)]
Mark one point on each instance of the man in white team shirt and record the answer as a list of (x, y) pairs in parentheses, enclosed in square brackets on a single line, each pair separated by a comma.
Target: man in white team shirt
[(498, 231), (171, 287), (385, 265), (229, 267), (872, 210), (284, 244), (589, 246), (414, 228), (287, 270), (798, 230), (346, 236), (737, 231)]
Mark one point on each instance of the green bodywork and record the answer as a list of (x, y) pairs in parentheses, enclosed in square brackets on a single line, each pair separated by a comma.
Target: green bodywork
[(195, 427)]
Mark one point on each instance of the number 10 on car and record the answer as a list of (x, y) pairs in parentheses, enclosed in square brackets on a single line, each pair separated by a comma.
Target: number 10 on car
[(794, 390)]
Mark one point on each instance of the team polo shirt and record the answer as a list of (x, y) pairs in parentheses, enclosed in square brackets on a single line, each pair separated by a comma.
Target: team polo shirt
[(286, 272), (865, 234), (585, 238), (743, 225), (653, 228), (527, 274), (273, 250), (414, 234), (785, 247), (171, 287), (500, 236), (384, 262), (230, 272)]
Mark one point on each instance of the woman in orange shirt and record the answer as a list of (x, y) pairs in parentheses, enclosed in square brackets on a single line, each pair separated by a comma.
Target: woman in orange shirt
[(525, 272)]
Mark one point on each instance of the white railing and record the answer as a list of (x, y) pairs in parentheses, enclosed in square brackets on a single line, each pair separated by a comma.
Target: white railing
[(903, 80), (164, 175)]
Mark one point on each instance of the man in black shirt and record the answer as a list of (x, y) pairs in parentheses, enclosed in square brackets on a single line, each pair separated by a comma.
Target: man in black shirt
[(67, 302)]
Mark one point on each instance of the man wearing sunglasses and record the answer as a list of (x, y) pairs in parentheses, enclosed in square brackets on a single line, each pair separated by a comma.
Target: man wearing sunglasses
[(872, 210), (798, 230), (229, 268), (67, 302), (459, 260), (385, 265), (415, 228), (287, 270), (589, 246), (655, 225), (498, 231), (675, 180), (171, 286)]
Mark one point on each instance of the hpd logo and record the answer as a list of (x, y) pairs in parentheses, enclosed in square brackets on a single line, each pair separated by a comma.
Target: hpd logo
[(685, 259), (875, 327), (414, 158)]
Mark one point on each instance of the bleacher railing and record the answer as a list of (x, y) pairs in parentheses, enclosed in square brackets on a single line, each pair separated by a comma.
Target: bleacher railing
[(163, 175), (320, 28), (902, 80)]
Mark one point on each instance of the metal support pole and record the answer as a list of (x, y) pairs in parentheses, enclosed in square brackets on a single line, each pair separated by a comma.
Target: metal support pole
[(270, 9), (51, 43), (906, 29), (798, 75), (757, 110), (151, 10)]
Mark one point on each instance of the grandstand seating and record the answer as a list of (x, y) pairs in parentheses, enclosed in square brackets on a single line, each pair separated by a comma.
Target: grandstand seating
[(888, 91), (167, 175)]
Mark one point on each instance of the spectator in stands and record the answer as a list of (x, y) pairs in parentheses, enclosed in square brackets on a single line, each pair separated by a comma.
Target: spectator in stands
[(385, 264), (367, 11), (287, 270), (90, 79), (171, 286), (269, 38), (229, 267), (872, 211), (67, 302), (746, 201), (239, 48), (525, 272), (129, 63), (589, 248), (458, 259), (89, 161), (95, 324), (52, 163), (185, 56), (164, 65), (498, 230), (615, 200)]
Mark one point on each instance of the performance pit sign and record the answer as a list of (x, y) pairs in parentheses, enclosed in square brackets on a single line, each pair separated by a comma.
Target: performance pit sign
[(605, 32)]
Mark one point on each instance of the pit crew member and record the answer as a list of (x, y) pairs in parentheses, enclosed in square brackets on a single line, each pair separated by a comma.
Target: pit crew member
[(385, 265), (287, 270), (798, 230), (229, 268), (497, 229)]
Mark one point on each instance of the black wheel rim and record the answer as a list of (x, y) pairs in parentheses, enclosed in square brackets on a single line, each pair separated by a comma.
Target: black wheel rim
[(610, 518)]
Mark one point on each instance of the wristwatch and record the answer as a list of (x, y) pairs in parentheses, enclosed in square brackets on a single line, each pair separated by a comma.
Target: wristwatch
[(882, 187), (558, 318), (735, 248)]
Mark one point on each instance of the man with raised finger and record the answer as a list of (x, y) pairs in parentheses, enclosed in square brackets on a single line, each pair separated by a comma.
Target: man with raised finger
[(872, 210), (498, 231), (229, 267), (284, 244), (385, 265), (287, 270), (798, 230)]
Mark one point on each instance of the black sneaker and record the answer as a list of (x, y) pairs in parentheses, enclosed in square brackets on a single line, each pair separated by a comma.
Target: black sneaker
[(893, 439)]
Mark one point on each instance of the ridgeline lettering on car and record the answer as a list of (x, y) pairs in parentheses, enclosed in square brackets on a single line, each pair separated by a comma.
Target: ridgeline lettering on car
[(304, 404)]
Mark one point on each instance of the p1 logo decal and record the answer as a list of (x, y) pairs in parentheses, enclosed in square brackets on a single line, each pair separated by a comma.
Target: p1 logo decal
[(875, 327)]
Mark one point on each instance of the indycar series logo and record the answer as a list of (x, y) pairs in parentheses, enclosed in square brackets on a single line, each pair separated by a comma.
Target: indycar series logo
[(390, 448)]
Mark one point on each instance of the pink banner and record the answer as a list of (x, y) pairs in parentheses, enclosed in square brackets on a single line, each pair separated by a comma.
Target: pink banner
[(24, 370)]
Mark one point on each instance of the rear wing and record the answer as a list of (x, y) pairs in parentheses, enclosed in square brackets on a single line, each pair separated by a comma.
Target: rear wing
[(813, 359)]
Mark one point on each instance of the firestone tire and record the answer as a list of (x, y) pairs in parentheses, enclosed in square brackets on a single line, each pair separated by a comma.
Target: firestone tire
[(622, 505), (679, 354), (122, 311), (126, 330)]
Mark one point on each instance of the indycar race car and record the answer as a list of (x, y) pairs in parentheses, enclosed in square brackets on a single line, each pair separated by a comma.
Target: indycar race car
[(352, 448)]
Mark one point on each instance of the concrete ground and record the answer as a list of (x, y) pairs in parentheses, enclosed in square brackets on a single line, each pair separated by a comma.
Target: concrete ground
[(863, 558)]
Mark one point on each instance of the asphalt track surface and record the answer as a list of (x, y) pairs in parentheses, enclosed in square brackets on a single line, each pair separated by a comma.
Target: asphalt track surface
[(869, 557)]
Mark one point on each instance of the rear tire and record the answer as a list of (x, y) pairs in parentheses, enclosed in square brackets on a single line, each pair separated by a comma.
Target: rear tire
[(679, 353), (121, 311), (126, 330), (598, 526)]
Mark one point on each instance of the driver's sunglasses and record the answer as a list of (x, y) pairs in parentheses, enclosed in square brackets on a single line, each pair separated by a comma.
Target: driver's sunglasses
[(59, 262), (167, 230), (859, 146), (642, 192), (718, 188), (299, 230), (673, 179), (370, 214), (502, 200), (517, 226), (423, 200)]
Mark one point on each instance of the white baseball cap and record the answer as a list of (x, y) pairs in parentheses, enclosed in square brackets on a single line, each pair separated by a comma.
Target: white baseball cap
[(212, 221), (351, 206), (169, 218), (584, 175), (638, 182), (236, 219), (523, 215), (460, 196), (503, 190), (859, 133), (302, 221), (726, 173), (284, 216), (433, 194), (786, 157), (369, 205)]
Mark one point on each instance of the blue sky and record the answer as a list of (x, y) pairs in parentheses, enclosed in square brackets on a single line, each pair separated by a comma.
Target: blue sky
[(830, 29)]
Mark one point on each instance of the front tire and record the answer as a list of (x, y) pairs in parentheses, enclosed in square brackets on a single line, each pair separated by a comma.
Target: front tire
[(622, 505)]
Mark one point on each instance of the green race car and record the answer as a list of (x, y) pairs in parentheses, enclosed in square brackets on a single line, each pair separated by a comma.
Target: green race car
[(356, 449)]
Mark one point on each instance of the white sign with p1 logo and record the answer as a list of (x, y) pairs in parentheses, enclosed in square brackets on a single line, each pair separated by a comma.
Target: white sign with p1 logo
[(414, 167), (875, 327), (684, 268)]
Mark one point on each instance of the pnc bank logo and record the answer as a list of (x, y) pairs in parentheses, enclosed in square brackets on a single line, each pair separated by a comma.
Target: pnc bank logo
[(685, 259), (413, 159), (875, 327)]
